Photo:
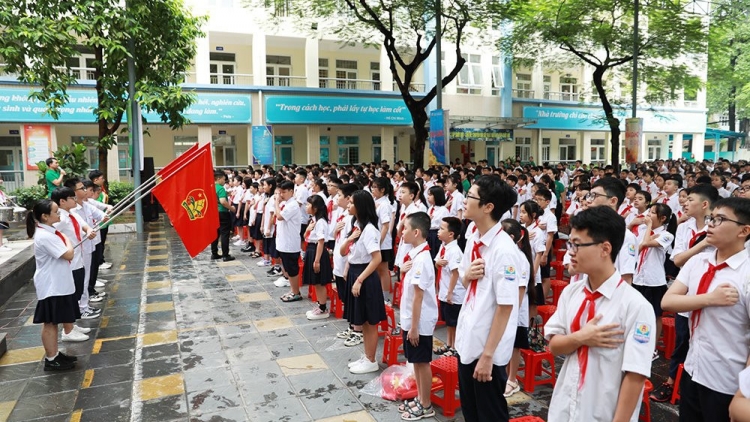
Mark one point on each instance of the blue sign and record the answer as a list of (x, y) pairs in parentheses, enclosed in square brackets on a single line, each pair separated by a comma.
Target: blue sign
[(437, 137), (667, 121), (336, 110), (16, 107), (262, 145), (565, 118)]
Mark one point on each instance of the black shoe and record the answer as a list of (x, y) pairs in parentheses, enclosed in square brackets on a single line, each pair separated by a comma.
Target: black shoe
[(228, 258), (58, 364), (662, 394), (67, 358), (273, 271), (247, 249), (215, 256)]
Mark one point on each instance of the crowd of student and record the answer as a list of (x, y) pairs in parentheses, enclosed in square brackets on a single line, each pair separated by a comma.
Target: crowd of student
[(472, 245)]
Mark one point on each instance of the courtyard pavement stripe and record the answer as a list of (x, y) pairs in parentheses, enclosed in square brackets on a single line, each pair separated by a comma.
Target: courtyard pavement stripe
[(136, 404)]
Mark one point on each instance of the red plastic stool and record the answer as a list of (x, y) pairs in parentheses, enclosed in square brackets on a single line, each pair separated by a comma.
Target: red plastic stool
[(396, 298), (557, 287), (560, 254), (532, 367), (646, 402), (337, 306), (559, 269), (527, 419), (676, 386), (446, 368), (546, 312), (558, 244), (393, 344), (668, 337)]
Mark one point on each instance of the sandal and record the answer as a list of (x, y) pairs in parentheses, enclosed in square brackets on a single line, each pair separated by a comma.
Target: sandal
[(451, 352), (418, 412), (406, 405), (441, 350), (291, 297), (511, 388)]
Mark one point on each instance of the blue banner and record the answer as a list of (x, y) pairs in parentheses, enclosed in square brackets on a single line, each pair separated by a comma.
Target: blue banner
[(262, 145), (16, 107), (489, 134), (438, 145), (668, 121), (336, 110)]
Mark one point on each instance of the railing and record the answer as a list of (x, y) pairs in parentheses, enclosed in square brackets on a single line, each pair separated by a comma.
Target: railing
[(356, 84), (523, 93), (230, 79), (82, 73), (562, 96), (298, 81), (412, 87), (12, 180)]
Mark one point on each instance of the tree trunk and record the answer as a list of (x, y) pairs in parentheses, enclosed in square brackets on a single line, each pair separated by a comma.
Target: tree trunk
[(421, 133), (612, 121)]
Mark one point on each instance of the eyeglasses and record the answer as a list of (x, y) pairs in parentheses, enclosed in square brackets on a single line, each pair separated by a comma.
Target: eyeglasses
[(573, 247), (744, 189), (592, 196), (715, 221), (473, 197)]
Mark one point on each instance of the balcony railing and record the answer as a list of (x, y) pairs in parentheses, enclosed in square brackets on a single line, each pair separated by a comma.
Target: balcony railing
[(230, 79), (82, 73), (297, 81), (357, 84), (562, 96), (412, 87), (523, 93)]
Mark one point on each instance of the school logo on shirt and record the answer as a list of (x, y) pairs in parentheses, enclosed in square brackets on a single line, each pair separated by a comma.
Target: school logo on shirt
[(195, 204), (418, 275), (510, 272), (642, 332), (631, 249)]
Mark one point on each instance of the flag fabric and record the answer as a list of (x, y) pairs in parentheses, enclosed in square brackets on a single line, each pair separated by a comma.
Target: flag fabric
[(188, 196)]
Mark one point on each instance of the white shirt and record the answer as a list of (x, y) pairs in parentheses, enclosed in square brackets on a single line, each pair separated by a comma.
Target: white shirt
[(404, 248), (454, 256), (458, 203), (65, 225), (597, 400), (384, 212), (436, 216), (339, 261), (674, 203), (524, 270), (498, 286), (720, 343), (745, 382), (287, 230), (319, 231), (93, 216), (53, 275), (301, 193), (627, 258), (651, 271), (367, 243), (268, 211), (538, 245), (421, 274)]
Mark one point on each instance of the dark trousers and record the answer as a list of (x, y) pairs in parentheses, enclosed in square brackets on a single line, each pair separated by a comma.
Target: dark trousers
[(681, 344), (96, 259), (103, 233), (482, 401), (225, 226), (79, 277), (699, 403)]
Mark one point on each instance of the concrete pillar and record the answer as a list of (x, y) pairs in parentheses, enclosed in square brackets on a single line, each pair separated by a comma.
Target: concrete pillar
[(386, 77), (313, 144), (202, 61), (311, 62), (699, 144), (250, 154), (259, 59), (386, 144), (537, 80), (113, 164), (585, 151), (538, 153), (204, 135), (676, 146)]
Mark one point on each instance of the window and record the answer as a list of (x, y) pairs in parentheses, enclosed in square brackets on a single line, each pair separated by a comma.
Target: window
[(546, 142), (348, 149), (654, 149), (377, 152), (346, 74), (690, 96), (224, 148), (470, 76), (523, 86), (523, 148), (81, 67), (278, 70), (221, 68), (280, 7), (284, 150), (597, 150), (497, 75), (567, 149), (375, 75), (568, 88), (547, 86), (323, 73), (325, 142)]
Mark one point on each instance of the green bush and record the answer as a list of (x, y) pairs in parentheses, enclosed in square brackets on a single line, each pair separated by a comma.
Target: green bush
[(28, 196), (118, 191)]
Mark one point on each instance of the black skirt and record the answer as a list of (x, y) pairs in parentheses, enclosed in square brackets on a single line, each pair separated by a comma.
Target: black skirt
[(255, 231), (57, 310), (369, 307), (310, 277), (433, 242)]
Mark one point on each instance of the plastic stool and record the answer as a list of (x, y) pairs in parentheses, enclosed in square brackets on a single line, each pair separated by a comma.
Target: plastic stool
[(393, 344), (396, 298), (646, 402), (676, 386), (532, 367), (559, 268), (446, 368), (560, 254), (558, 244), (668, 337), (546, 311), (557, 287), (337, 306), (527, 419)]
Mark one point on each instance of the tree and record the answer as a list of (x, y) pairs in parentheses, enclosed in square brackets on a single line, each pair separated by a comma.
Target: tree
[(405, 28), (671, 42), (38, 39)]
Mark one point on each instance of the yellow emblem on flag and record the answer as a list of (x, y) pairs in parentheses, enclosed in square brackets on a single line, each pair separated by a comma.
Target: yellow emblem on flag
[(195, 204)]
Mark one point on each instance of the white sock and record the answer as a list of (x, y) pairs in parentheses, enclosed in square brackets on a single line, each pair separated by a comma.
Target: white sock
[(53, 357)]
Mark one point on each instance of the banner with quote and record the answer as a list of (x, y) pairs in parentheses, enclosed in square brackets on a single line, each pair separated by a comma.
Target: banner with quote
[(633, 136), (439, 124), (283, 109), (37, 141), (262, 145)]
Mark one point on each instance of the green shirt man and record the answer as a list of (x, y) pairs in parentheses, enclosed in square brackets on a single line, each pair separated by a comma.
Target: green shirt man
[(221, 193), (53, 176)]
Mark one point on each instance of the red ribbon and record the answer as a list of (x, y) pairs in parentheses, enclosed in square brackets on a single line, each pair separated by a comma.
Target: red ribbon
[(703, 285)]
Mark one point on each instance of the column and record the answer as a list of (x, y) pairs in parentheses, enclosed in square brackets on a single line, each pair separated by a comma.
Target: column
[(113, 164), (386, 77), (313, 144), (250, 155), (676, 146), (699, 145), (585, 153), (538, 153), (311, 62), (537, 80), (204, 134), (259, 59), (386, 144), (608, 147), (202, 61)]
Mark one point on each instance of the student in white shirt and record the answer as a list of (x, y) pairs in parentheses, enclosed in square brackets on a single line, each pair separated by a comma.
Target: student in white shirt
[(548, 222), (450, 291), (602, 326), (254, 201), (318, 271), (301, 192), (655, 244), (530, 212), (288, 216), (454, 196), (714, 288), (383, 195), (487, 323), (437, 211), (409, 192), (342, 225), (672, 195)]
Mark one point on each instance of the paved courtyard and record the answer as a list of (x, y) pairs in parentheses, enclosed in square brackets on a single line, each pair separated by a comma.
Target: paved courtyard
[(200, 340)]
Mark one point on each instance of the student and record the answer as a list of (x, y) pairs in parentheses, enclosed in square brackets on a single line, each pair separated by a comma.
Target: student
[(636, 221), (341, 225), (713, 287), (602, 326), (487, 323), (97, 177), (526, 295), (268, 225), (529, 215), (437, 212), (288, 216), (318, 272), (366, 309), (301, 192), (656, 242), (383, 194), (672, 194), (93, 215), (627, 204), (548, 222), (225, 225), (408, 193), (419, 313), (254, 217), (53, 281), (450, 291)]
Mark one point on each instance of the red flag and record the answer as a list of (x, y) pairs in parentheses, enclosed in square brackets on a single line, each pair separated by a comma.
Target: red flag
[(184, 157), (188, 195)]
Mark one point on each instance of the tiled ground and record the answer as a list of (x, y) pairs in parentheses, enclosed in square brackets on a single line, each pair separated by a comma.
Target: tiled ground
[(197, 340)]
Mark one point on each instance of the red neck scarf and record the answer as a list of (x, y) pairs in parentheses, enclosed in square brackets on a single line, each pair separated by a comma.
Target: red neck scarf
[(439, 273), (408, 258), (476, 254), (703, 285)]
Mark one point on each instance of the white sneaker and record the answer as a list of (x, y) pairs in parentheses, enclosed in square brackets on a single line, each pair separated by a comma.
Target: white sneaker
[(356, 362), (105, 266), (90, 314), (239, 243), (235, 238), (282, 282), (317, 314), (5, 248), (96, 298), (365, 367), (82, 330), (354, 340), (74, 335), (99, 284), (263, 263), (344, 334)]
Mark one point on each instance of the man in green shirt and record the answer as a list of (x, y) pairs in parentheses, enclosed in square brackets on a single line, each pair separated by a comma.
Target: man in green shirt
[(225, 225), (54, 175)]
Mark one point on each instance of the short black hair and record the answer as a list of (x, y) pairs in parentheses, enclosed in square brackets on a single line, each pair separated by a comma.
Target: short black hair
[(438, 195), (707, 192), (602, 224), (219, 174), (88, 184), (93, 174), (419, 221), (613, 187), (347, 189), (60, 194), (72, 182), (50, 160), (703, 180), (454, 226), (646, 195), (492, 190), (286, 185), (544, 193), (412, 187), (740, 207)]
